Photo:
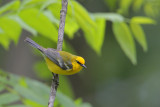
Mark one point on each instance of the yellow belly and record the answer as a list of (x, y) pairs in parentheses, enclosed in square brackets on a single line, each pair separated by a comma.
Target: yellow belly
[(57, 70)]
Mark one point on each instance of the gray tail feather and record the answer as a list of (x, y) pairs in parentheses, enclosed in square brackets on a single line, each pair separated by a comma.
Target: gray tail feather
[(34, 44)]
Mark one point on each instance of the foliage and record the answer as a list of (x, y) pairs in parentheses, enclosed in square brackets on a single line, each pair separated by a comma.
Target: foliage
[(41, 17), (30, 93), (150, 7)]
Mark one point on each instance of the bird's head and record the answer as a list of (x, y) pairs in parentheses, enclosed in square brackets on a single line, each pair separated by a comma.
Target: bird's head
[(81, 61)]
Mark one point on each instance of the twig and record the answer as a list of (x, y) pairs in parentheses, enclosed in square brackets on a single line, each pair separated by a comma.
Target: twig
[(55, 81)]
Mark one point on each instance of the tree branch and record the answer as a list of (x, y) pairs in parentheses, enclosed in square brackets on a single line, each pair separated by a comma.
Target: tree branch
[(55, 78)]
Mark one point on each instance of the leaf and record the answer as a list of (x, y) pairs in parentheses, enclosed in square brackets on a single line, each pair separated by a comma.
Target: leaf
[(22, 82), (64, 100), (47, 3), (142, 20), (43, 90), (34, 94), (7, 98), (124, 5), (149, 10), (51, 17), (81, 12), (11, 29), (33, 2), (95, 36), (71, 26), (31, 103), (78, 101), (16, 105), (99, 34), (109, 16), (30, 95), (39, 22), (139, 35), (14, 5), (123, 35), (24, 25), (111, 4), (4, 41), (137, 4), (55, 8)]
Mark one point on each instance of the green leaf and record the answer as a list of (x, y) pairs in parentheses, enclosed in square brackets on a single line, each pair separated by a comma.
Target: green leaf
[(123, 35), (142, 20), (24, 25), (95, 36), (14, 5), (111, 4), (8, 98), (81, 12), (78, 101), (31, 103), (137, 4), (139, 35), (30, 95), (34, 2), (71, 26), (47, 3), (51, 17), (109, 16), (99, 34), (22, 82), (16, 105), (4, 41), (43, 90), (149, 10), (11, 29), (64, 100), (55, 8), (39, 22), (124, 5)]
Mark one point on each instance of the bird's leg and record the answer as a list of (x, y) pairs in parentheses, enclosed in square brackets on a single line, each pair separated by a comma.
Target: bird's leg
[(55, 79)]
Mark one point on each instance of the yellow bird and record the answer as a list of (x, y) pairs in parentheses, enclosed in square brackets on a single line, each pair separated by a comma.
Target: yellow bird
[(59, 62)]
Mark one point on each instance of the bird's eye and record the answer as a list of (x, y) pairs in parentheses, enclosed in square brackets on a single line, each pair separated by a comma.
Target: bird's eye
[(78, 62)]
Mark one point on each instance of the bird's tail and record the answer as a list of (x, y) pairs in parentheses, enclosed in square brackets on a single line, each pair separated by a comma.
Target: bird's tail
[(34, 44)]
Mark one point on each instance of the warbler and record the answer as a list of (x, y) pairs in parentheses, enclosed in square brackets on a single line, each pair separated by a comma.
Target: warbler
[(59, 62)]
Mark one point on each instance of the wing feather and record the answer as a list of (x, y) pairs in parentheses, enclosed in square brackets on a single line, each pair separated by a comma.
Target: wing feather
[(55, 56)]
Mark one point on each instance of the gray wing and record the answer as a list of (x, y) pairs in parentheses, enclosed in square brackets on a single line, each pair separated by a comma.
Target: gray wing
[(54, 56)]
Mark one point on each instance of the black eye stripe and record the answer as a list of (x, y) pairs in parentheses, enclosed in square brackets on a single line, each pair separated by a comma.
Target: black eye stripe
[(78, 62)]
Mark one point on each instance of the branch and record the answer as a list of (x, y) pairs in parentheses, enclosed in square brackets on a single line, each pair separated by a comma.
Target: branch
[(55, 78)]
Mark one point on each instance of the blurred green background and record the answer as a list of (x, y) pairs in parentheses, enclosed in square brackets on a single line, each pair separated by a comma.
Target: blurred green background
[(119, 73)]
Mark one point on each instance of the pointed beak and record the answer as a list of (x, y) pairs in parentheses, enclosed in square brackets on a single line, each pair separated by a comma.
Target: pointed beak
[(83, 66)]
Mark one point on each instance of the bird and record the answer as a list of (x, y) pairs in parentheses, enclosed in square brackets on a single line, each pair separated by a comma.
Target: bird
[(59, 62)]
